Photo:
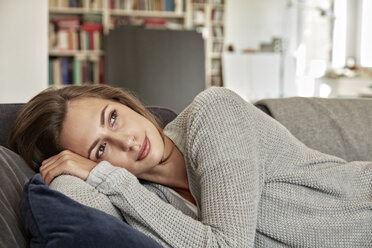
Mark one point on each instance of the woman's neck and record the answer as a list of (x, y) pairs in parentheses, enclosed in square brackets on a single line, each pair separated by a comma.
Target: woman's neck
[(171, 171)]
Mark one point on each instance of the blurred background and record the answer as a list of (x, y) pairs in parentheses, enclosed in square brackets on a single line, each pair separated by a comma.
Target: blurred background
[(167, 51)]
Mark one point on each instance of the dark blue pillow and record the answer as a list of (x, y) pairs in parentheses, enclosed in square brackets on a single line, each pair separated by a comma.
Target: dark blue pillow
[(52, 219)]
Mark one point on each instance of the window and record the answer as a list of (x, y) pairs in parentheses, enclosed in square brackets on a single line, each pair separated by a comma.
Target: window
[(366, 35)]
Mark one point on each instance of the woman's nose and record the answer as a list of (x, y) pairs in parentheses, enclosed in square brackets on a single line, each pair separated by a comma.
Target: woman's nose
[(127, 142)]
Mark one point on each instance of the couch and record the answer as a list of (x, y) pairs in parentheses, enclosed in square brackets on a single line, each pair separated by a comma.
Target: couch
[(340, 127)]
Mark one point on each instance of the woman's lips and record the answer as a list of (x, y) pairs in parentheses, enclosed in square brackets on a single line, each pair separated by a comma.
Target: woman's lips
[(145, 149)]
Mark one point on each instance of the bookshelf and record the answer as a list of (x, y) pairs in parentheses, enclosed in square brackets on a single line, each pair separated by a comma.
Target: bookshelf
[(76, 30), (208, 17)]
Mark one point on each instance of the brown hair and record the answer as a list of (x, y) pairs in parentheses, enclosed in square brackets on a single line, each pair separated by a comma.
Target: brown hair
[(36, 130)]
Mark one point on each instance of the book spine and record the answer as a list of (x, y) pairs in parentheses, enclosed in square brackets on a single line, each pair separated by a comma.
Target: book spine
[(73, 3), (117, 4), (96, 40), (95, 72), (91, 41), (87, 72), (50, 72), (57, 77), (70, 39), (77, 72), (169, 5), (62, 37), (83, 71), (82, 41), (70, 67), (65, 71), (101, 70), (91, 72)]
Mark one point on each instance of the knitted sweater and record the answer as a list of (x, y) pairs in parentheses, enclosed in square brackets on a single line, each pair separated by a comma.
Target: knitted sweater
[(254, 183)]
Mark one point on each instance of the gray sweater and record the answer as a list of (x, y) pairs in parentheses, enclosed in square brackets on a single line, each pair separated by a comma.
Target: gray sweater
[(254, 183)]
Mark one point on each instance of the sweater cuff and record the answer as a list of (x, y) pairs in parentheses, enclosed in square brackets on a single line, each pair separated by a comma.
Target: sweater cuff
[(105, 176), (99, 173)]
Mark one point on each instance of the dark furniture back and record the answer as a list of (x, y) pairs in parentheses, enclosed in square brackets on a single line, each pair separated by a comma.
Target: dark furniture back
[(162, 67)]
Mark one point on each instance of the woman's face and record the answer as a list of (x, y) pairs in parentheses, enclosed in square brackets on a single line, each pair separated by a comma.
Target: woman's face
[(101, 129)]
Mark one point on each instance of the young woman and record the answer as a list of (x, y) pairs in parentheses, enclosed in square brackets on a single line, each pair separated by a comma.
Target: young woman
[(227, 175)]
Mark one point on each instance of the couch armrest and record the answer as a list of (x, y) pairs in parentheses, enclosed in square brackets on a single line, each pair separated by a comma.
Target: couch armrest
[(340, 127)]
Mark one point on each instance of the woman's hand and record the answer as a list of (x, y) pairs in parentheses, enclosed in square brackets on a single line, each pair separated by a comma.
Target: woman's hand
[(66, 162)]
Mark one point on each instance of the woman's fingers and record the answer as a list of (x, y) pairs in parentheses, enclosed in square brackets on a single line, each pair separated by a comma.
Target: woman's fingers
[(66, 162), (52, 172)]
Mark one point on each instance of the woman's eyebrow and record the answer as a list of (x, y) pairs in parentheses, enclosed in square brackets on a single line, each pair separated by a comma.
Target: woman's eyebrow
[(102, 123)]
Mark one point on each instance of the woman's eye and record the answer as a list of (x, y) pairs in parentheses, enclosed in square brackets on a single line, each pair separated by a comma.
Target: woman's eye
[(101, 150), (113, 117)]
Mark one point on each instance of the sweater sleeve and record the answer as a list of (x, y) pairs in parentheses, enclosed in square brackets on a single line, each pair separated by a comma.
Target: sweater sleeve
[(146, 211), (224, 137), (224, 168)]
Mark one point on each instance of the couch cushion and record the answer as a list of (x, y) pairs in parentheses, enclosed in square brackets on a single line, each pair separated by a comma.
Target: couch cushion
[(8, 113), (82, 192), (52, 219), (340, 127), (14, 173)]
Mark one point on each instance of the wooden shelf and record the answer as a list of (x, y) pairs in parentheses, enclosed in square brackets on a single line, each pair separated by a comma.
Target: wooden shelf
[(197, 23), (143, 13), (83, 53), (198, 5), (215, 55), (60, 10), (213, 23), (218, 5), (220, 38), (218, 23)]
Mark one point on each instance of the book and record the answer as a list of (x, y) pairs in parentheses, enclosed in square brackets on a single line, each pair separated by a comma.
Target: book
[(169, 5), (155, 23), (57, 78), (50, 72), (95, 71), (67, 22), (95, 18), (83, 71), (77, 72), (62, 39), (91, 41), (73, 3), (65, 71), (96, 41), (101, 70), (83, 41)]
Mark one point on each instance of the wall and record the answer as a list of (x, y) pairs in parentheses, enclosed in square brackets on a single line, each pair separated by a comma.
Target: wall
[(250, 22), (23, 49), (304, 27)]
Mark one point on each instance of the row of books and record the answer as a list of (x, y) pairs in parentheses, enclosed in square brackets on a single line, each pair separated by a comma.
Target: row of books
[(217, 31), (158, 5), (217, 47), (217, 1), (217, 14), (69, 34), (215, 80), (93, 4), (199, 15), (68, 70), (208, 1), (215, 65), (148, 23)]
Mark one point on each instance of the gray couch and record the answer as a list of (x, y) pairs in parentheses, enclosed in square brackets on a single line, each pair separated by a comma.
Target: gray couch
[(341, 127)]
